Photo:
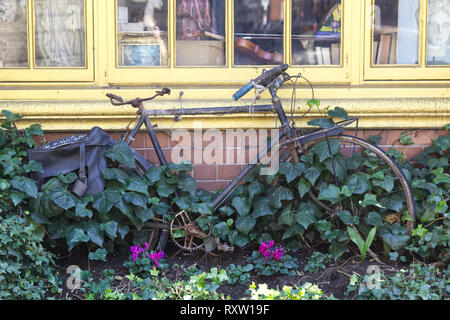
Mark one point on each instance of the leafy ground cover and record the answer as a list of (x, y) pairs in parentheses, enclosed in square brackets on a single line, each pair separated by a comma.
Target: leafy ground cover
[(285, 245)]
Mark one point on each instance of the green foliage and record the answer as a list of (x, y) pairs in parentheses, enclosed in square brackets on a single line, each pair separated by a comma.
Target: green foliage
[(307, 291), (239, 274), (201, 286), (363, 246), (318, 261), (27, 269), (286, 265), (419, 282), (144, 265)]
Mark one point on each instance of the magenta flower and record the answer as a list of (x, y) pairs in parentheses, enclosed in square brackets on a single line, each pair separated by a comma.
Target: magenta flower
[(278, 253), (156, 256), (265, 250)]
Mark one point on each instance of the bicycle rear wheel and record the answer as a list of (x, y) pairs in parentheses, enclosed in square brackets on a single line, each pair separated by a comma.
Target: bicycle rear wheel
[(346, 173)]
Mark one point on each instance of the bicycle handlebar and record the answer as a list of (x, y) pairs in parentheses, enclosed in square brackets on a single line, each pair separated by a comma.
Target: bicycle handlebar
[(135, 102), (264, 79)]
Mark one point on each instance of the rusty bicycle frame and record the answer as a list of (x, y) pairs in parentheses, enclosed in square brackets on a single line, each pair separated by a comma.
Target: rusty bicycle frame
[(271, 80)]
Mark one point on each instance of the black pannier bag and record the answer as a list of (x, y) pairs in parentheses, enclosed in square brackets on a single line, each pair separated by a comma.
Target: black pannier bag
[(82, 154)]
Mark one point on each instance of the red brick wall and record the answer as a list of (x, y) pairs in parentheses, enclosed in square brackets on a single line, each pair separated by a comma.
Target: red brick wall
[(214, 177)]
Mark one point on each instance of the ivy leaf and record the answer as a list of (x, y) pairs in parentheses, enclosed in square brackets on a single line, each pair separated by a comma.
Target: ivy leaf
[(94, 233), (164, 189), (138, 185), (323, 148), (115, 173), (203, 208), (82, 212), (33, 166), (347, 218), (242, 205), (25, 185), (99, 254), (286, 217), (144, 214), (338, 249), (405, 139), (122, 230), (220, 229), (245, 224), (4, 185), (370, 200), (238, 239), (75, 236), (121, 153), (395, 241), (105, 200), (312, 173), (303, 187), (358, 183), (262, 208), (110, 228), (155, 173), (323, 123), (292, 231), (338, 112), (255, 188), (337, 166), (17, 197), (305, 217), (387, 183), (137, 199), (374, 219), (183, 203), (330, 193), (187, 183), (63, 198), (291, 171), (393, 202), (280, 194), (68, 178)]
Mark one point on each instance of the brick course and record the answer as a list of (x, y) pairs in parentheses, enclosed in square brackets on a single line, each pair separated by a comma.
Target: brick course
[(216, 176)]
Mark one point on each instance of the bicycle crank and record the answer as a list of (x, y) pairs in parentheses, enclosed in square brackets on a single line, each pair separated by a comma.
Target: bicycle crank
[(186, 233)]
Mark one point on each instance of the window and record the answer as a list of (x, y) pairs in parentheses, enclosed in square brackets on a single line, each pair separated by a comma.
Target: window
[(218, 41), (45, 40), (316, 32), (409, 39)]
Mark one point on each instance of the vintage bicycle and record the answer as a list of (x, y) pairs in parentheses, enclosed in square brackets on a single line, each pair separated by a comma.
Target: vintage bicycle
[(293, 144)]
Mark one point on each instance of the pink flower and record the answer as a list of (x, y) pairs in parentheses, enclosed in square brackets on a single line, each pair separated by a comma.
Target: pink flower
[(278, 253), (265, 250)]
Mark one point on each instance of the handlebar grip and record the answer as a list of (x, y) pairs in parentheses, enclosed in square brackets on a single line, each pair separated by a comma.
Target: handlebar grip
[(242, 91), (113, 96)]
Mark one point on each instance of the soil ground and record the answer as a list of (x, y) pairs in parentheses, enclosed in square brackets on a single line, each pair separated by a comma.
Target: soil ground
[(333, 280)]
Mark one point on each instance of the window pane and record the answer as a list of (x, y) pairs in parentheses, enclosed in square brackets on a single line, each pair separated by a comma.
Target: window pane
[(396, 32), (60, 33), (13, 34), (438, 46), (316, 32), (258, 27), (200, 33), (142, 33)]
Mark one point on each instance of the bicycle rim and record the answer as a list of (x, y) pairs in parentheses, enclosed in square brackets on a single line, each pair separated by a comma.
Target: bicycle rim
[(348, 160)]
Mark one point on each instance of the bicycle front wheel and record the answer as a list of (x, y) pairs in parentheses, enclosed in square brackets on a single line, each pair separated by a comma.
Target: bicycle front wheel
[(355, 180)]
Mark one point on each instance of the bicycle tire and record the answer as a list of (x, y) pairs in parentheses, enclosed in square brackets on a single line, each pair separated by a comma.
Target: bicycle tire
[(379, 153)]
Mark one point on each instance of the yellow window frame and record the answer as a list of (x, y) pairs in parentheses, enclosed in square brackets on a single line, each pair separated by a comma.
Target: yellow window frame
[(229, 74), (33, 73), (400, 72)]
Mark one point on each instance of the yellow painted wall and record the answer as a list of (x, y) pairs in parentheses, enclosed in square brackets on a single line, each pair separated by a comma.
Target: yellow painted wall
[(419, 97)]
